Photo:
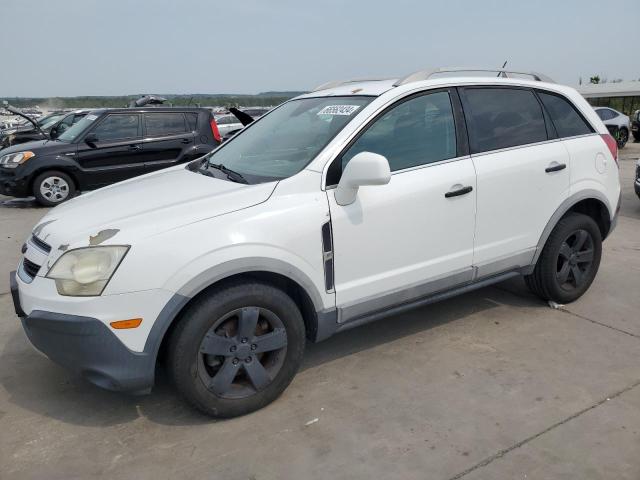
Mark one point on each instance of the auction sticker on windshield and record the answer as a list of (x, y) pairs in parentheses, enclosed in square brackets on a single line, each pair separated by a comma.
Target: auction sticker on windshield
[(91, 118), (338, 109)]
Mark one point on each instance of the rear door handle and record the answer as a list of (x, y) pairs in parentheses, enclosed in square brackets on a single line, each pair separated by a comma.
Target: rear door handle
[(460, 191), (186, 140), (134, 147), (555, 167)]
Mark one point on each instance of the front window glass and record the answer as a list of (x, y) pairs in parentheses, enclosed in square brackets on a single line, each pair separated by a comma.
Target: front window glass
[(416, 132), (283, 142), (78, 128)]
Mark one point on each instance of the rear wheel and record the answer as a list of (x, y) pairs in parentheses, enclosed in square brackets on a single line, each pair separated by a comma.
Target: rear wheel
[(237, 349), (636, 135), (52, 188), (623, 137), (569, 261)]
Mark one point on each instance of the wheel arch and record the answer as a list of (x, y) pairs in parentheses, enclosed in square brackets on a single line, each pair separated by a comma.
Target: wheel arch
[(319, 322), (588, 202), (62, 169)]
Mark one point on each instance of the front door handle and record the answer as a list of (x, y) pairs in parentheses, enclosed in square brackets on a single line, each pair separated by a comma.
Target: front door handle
[(555, 167), (186, 140), (460, 191), (134, 148)]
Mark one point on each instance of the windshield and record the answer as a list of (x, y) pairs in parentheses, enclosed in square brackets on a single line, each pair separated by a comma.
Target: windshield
[(76, 129), (284, 142)]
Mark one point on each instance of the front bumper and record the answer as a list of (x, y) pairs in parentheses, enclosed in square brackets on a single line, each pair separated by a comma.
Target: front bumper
[(13, 185), (87, 345)]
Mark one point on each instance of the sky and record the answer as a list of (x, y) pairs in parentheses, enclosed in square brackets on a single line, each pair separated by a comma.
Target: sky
[(117, 47)]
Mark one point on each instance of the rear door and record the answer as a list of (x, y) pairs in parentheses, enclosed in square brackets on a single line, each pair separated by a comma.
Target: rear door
[(167, 139), (522, 174), (116, 153)]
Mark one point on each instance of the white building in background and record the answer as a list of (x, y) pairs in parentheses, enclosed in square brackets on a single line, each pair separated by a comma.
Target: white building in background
[(621, 96)]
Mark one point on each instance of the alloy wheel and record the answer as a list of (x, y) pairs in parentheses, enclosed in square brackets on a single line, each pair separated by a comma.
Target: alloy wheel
[(575, 260), (242, 352)]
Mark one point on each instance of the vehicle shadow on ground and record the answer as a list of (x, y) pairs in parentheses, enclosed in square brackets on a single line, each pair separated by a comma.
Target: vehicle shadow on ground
[(33, 382), (20, 203)]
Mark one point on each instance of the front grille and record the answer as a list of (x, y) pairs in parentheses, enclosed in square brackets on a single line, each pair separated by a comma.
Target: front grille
[(30, 268), (45, 247)]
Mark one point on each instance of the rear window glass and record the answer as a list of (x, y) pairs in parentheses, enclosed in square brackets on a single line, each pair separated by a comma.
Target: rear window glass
[(502, 117), (567, 120), (158, 124)]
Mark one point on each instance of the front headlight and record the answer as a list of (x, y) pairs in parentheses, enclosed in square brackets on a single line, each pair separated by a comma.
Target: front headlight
[(12, 160), (85, 272)]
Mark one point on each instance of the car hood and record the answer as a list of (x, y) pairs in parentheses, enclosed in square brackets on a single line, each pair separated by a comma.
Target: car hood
[(145, 206), (42, 147)]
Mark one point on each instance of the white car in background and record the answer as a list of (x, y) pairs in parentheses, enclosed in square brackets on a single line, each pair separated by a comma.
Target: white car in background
[(228, 125), (617, 123)]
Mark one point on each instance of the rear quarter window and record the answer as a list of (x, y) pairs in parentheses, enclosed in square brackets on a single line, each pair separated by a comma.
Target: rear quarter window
[(566, 119), (502, 117)]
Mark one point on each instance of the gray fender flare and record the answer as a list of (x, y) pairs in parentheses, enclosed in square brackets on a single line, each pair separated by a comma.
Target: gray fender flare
[(562, 210), (215, 274)]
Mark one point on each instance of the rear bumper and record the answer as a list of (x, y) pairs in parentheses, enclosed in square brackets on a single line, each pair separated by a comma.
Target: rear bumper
[(86, 345)]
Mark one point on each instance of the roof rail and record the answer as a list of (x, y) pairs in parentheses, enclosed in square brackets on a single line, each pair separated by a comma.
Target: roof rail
[(337, 83), (426, 74)]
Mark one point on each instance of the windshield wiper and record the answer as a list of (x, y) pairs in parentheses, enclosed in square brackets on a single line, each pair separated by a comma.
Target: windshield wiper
[(231, 174)]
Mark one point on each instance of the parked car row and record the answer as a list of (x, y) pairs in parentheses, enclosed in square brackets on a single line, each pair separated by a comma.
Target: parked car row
[(47, 127), (65, 152), (354, 202), (87, 150)]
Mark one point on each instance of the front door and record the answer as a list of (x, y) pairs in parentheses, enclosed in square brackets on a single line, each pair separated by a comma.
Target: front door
[(115, 154), (414, 236)]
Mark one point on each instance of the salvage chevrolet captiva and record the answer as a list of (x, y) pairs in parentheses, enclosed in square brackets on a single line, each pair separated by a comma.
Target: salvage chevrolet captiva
[(354, 202)]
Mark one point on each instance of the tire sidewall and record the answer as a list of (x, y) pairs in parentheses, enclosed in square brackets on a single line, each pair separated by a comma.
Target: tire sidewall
[(201, 317), (550, 255)]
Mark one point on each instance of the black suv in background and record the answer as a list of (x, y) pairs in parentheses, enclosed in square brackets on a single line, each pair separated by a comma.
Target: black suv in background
[(49, 126), (104, 147), (635, 125)]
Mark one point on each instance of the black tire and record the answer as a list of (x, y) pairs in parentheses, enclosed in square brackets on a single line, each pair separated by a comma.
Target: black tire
[(636, 135), (62, 188), (623, 137), (208, 324), (562, 273)]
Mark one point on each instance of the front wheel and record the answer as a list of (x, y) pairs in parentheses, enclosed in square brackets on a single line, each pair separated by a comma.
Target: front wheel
[(569, 260), (52, 188), (235, 350)]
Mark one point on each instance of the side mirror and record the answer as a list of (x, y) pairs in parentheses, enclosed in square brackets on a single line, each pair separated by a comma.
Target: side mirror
[(366, 168), (90, 139), (53, 133)]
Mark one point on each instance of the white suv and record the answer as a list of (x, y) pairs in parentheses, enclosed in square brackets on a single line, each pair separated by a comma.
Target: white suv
[(351, 203)]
